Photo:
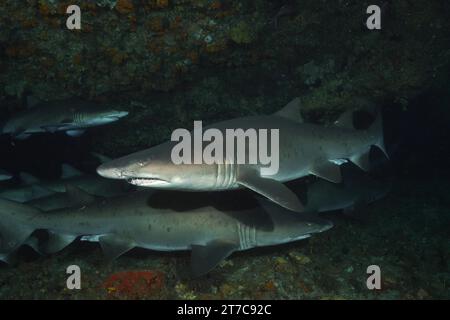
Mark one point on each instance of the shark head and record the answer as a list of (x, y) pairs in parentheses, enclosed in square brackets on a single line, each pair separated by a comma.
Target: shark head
[(296, 228), (97, 117), (288, 227), (154, 168), (289, 231)]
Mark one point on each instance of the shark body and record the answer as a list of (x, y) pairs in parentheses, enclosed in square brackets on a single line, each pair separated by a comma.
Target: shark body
[(122, 223), (71, 116), (71, 197), (304, 149), (357, 189)]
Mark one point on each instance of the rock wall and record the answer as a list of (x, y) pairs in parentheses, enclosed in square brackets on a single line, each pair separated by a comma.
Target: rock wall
[(172, 61)]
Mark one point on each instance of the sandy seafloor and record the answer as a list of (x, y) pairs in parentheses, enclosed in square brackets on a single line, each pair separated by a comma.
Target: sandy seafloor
[(406, 234)]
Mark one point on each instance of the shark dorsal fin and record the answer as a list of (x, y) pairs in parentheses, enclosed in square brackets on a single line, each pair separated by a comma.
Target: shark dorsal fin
[(78, 197), (69, 172), (345, 120), (291, 111)]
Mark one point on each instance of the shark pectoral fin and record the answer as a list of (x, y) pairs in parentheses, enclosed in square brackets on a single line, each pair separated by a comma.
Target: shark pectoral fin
[(271, 189), (328, 171), (78, 197), (205, 258), (291, 111), (114, 246), (362, 160), (74, 133), (56, 242)]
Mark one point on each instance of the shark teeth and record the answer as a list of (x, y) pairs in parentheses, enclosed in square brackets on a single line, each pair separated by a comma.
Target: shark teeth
[(143, 182)]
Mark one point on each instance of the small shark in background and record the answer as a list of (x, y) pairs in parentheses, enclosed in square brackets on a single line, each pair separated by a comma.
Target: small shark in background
[(50, 193), (70, 116), (357, 189), (24, 193), (122, 223), (30, 188), (91, 184), (4, 175), (62, 200), (304, 149)]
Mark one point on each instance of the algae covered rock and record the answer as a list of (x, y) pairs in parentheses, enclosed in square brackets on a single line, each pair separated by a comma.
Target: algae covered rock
[(243, 33)]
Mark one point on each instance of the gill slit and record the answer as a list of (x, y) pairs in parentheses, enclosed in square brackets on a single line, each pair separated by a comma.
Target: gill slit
[(226, 173), (247, 236)]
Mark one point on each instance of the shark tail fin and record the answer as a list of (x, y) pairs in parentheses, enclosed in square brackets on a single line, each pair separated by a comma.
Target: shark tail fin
[(376, 131), (15, 226)]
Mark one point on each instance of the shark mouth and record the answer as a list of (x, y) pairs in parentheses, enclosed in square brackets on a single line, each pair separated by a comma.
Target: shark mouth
[(147, 182)]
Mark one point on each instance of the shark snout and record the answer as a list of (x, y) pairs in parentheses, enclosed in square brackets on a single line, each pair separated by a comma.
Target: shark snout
[(111, 172)]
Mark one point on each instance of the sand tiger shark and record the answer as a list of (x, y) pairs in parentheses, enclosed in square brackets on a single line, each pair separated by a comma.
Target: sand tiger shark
[(62, 200), (92, 184), (71, 116), (50, 193), (31, 188), (304, 149), (138, 220)]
